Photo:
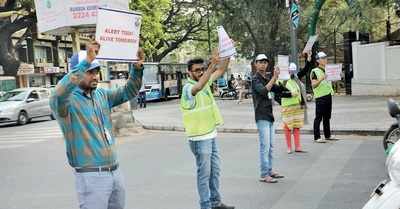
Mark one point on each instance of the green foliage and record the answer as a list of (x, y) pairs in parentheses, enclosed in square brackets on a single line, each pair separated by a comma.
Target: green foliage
[(256, 26), (152, 31)]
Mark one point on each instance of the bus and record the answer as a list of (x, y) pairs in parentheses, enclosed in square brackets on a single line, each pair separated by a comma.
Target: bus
[(7, 83), (163, 80)]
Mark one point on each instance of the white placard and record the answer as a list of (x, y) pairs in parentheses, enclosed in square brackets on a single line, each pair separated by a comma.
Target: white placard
[(226, 46), (310, 43), (333, 72), (283, 64), (284, 73), (60, 16), (118, 33), (50, 14)]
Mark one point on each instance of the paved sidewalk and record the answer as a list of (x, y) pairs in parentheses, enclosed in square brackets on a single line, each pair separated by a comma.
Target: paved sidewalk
[(361, 115)]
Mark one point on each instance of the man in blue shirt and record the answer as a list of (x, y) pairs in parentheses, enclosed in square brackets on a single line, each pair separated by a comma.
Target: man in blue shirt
[(83, 112)]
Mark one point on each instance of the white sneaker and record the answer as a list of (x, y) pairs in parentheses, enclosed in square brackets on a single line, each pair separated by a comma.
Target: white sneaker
[(320, 141)]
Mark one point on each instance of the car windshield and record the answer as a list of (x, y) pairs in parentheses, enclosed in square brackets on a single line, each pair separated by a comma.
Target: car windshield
[(13, 96)]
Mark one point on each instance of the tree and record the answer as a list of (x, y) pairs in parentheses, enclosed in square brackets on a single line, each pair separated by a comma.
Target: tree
[(257, 26), (175, 22), (15, 15)]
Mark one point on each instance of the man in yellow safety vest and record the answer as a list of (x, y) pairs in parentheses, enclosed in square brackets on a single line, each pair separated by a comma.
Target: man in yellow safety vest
[(201, 117)]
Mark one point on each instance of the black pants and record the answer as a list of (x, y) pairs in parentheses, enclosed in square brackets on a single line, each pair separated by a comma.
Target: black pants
[(323, 112)]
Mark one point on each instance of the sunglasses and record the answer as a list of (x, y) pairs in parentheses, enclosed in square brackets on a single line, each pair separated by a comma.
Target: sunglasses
[(198, 70)]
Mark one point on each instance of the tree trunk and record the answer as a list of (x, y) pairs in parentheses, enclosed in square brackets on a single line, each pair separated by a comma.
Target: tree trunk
[(7, 56)]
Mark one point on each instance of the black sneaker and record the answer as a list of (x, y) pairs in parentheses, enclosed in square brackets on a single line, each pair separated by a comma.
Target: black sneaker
[(223, 206)]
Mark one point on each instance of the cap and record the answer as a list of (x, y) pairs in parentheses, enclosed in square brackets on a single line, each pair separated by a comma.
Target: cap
[(262, 57), (292, 67), (321, 55), (77, 58)]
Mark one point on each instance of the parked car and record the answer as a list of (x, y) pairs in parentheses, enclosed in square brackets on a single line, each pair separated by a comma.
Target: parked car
[(22, 105)]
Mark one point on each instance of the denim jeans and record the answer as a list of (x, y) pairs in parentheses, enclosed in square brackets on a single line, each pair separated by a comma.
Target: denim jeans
[(100, 190), (207, 162), (266, 132)]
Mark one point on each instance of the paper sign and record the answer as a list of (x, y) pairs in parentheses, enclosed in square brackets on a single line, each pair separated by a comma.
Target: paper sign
[(284, 73), (283, 64), (225, 45), (283, 60), (310, 43), (118, 33), (333, 72)]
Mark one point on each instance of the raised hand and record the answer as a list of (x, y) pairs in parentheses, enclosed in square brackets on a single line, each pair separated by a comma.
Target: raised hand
[(92, 49), (141, 57), (215, 56), (277, 71)]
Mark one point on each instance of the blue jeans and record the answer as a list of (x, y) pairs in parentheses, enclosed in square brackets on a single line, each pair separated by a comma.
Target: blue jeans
[(207, 162), (266, 132), (100, 190)]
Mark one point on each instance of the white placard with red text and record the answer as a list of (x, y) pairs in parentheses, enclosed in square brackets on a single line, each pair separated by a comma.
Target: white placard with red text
[(118, 33), (226, 45), (333, 72), (61, 16)]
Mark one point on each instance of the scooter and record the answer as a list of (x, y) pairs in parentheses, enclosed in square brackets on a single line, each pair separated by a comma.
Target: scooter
[(229, 93), (387, 194), (392, 135)]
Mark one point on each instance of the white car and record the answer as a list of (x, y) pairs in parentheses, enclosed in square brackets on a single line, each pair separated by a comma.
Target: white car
[(22, 105)]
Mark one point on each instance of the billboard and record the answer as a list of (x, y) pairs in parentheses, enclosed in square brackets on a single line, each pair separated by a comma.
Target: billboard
[(59, 17)]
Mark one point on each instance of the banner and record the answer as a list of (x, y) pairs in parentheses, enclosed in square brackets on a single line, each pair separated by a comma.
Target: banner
[(295, 14), (333, 72), (118, 33), (225, 45), (283, 65), (310, 43), (59, 16)]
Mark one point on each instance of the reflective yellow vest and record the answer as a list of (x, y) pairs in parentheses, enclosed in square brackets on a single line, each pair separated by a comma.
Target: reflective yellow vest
[(292, 86), (204, 117), (325, 87)]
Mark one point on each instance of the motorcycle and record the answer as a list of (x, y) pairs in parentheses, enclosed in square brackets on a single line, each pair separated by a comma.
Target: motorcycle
[(387, 194), (229, 93), (392, 135)]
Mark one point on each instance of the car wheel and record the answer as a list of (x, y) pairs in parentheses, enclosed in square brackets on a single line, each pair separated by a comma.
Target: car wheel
[(22, 118)]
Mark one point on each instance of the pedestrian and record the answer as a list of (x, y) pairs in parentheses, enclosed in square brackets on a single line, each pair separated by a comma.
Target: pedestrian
[(309, 64), (142, 97), (323, 93), (231, 82), (262, 88), (83, 112), (292, 112), (201, 117), (241, 88)]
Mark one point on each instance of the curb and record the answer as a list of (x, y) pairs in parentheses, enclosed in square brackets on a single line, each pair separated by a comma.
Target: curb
[(278, 131)]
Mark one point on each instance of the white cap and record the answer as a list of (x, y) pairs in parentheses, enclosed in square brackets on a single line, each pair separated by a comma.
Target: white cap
[(321, 55), (292, 67), (262, 57)]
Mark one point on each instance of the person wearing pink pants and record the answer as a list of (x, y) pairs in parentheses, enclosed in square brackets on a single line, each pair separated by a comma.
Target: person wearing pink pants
[(292, 112)]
